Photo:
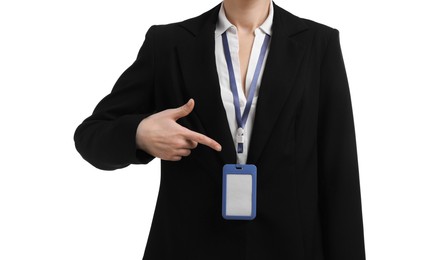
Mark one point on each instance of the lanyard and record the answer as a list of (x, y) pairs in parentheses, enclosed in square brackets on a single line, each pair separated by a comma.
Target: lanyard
[(242, 120)]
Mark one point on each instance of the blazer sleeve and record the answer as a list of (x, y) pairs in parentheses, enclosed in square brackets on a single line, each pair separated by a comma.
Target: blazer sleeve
[(339, 188), (106, 139)]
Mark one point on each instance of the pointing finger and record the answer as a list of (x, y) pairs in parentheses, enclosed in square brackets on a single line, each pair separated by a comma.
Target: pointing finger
[(202, 139)]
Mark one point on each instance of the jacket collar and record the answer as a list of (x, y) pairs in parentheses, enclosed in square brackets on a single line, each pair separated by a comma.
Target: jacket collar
[(291, 24)]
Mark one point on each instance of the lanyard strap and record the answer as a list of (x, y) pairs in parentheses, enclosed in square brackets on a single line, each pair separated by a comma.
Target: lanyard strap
[(242, 120)]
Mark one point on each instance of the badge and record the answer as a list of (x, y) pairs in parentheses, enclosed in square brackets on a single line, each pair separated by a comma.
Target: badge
[(239, 191)]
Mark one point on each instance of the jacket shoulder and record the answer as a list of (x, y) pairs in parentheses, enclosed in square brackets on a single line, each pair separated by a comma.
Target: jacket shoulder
[(311, 32), (290, 18)]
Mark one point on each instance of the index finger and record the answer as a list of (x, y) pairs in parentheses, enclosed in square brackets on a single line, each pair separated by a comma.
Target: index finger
[(202, 139)]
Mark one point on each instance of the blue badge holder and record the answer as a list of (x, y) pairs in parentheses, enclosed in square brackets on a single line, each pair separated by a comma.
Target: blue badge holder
[(239, 191)]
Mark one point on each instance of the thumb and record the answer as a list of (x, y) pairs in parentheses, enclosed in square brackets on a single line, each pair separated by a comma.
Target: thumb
[(184, 110)]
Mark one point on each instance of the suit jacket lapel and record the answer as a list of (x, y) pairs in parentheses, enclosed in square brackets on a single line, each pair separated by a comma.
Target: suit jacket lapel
[(281, 70), (197, 61)]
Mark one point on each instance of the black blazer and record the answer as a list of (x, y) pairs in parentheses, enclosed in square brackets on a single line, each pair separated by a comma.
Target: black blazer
[(303, 144)]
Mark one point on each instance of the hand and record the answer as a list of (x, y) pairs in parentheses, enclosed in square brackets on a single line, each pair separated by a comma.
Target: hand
[(161, 136)]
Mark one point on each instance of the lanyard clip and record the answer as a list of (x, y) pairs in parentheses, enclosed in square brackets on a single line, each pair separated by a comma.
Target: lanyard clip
[(240, 138)]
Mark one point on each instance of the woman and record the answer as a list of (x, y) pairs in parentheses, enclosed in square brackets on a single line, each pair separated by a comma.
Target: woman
[(259, 89)]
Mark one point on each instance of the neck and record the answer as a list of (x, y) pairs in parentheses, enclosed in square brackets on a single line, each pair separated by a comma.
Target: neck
[(246, 15)]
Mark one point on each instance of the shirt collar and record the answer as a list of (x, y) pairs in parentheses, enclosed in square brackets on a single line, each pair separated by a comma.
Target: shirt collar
[(223, 24)]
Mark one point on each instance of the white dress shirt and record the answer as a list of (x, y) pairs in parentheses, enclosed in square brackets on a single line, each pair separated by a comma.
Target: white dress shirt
[(224, 80)]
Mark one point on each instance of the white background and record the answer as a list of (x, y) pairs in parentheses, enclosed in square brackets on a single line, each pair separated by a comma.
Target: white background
[(59, 58)]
